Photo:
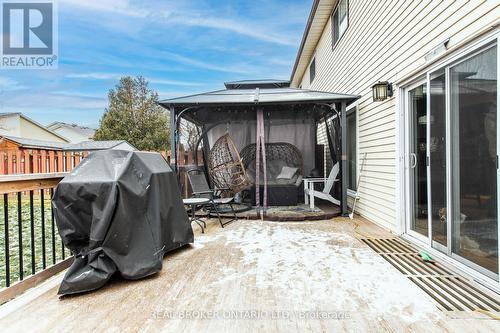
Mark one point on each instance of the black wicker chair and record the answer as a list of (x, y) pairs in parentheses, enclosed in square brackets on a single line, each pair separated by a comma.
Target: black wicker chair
[(274, 151), (279, 194), (200, 188)]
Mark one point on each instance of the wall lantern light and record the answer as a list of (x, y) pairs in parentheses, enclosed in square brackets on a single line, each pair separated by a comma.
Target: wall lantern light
[(381, 91)]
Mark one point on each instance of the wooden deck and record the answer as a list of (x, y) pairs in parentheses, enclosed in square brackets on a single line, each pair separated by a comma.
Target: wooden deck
[(254, 276)]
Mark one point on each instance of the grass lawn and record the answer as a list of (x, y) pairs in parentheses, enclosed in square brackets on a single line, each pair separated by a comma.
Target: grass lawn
[(50, 230)]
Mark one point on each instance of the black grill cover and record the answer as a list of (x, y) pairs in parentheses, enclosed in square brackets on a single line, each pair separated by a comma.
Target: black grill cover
[(118, 211)]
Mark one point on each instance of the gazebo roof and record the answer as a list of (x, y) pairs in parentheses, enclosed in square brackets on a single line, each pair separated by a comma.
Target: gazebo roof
[(252, 84), (258, 96)]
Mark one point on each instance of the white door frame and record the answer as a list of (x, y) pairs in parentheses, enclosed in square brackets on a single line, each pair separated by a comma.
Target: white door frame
[(408, 170)]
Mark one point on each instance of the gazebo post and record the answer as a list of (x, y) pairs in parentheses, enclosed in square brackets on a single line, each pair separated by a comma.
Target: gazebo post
[(343, 167), (173, 136)]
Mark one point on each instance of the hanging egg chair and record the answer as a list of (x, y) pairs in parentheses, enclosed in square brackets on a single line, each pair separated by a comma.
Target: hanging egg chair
[(225, 167)]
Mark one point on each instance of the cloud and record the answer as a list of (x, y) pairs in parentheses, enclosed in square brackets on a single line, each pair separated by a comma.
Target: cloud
[(8, 84), (93, 76), (121, 7), (249, 29), (71, 93), (236, 25), (40, 101), (115, 76), (180, 15), (226, 68), (288, 62), (173, 82)]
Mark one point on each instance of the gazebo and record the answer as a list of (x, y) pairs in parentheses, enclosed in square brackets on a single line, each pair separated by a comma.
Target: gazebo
[(266, 113)]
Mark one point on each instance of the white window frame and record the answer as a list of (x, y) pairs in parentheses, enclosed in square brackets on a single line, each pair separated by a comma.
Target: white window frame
[(342, 26), (312, 77)]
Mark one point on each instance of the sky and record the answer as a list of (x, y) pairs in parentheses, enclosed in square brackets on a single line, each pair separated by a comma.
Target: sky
[(181, 47)]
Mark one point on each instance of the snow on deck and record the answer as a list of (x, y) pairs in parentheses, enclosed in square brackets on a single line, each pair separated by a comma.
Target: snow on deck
[(254, 276), (324, 270)]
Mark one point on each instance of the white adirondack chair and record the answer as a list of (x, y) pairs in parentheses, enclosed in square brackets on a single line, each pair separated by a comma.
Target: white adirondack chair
[(310, 193)]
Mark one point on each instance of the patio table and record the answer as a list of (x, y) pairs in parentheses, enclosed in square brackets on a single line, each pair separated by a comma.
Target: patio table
[(193, 202)]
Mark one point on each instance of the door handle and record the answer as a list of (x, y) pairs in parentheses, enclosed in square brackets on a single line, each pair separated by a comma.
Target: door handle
[(413, 160)]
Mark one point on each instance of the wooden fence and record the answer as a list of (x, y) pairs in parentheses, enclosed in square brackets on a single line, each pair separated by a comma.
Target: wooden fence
[(185, 162), (27, 161)]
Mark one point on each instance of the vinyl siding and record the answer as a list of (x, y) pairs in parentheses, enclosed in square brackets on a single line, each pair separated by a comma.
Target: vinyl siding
[(16, 125), (33, 131), (10, 125), (72, 136), (386, 41)]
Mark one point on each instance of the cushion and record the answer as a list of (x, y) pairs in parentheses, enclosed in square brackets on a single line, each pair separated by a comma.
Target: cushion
[(283, 181), (274, 168), (287, 172)]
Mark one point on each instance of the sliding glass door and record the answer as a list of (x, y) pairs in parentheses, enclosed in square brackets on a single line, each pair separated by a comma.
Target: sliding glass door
[(473, 106), (452, 159), (437, 158), (417, 113)]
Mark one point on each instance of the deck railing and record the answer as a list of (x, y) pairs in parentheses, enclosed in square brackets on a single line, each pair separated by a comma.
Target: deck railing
[(29, 241)]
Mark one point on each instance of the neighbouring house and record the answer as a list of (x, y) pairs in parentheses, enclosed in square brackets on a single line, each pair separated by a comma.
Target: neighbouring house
[(73, 132), (18, 125), (428, 133)]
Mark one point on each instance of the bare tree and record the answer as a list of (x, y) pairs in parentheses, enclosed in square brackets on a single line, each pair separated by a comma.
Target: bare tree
[(189, 134)]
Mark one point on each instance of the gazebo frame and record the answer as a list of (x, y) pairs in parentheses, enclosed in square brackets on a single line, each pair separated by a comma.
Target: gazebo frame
[(250, 96)]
